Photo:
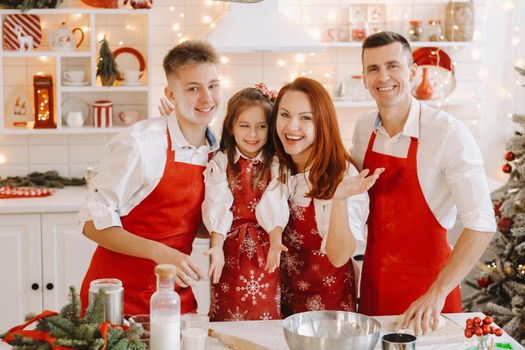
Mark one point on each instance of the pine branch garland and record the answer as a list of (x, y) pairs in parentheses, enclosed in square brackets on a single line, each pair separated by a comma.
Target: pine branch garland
[(49, 179)]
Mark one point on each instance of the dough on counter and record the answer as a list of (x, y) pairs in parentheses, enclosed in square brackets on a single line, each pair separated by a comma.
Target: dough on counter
[(396, 324)]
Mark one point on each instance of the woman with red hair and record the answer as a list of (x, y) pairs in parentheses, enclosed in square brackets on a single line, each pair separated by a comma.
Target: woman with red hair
[(327, 198)]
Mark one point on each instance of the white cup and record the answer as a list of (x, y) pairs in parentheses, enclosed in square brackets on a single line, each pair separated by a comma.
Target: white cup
[(75, 119), (131, 76), (194, 331), (75, 76)]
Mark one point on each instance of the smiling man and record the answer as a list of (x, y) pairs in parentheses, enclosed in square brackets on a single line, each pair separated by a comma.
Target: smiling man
[(144, 206), (433, 171)]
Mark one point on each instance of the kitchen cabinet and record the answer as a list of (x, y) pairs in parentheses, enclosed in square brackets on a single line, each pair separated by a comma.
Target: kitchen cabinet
[(127, 30), (41, 256)]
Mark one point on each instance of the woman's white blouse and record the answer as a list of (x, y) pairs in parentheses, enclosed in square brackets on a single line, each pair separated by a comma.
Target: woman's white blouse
[(298, 185), (218, 199)]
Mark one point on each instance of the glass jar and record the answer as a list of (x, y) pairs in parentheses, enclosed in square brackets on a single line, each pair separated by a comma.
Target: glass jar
[(356, 88), (435, 33), (415, 32)]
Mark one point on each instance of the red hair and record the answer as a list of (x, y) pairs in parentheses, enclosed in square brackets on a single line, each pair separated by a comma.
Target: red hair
[(328, 159)]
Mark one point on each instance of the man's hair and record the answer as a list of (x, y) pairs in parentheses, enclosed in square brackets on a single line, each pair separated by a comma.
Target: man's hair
[(387, 38), (189, 53)]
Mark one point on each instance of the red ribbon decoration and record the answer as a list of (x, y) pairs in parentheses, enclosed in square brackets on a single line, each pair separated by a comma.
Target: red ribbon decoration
[(44, 336)]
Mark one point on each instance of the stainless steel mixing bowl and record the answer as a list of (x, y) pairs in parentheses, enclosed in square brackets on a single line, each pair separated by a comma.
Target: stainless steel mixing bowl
[(331, 330)]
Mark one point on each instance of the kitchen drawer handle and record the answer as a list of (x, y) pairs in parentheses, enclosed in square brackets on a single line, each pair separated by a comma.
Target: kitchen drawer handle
[(35, 286), (50, 286)]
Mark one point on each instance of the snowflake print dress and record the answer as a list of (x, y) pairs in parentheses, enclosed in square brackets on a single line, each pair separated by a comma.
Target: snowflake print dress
[(245, 291), (309, 281)]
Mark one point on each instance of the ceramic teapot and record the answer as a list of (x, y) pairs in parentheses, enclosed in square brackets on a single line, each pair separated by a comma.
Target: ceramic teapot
[(63, 38)]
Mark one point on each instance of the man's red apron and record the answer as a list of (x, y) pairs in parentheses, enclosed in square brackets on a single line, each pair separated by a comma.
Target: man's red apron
[(407, 247), (245, 291), (309, 281), (170, 214)]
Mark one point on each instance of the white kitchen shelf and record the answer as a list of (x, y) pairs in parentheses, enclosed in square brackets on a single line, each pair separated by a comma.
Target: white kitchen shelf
[(37, 53), (440, 103), (86, 57), (412, 44), (63, 131)]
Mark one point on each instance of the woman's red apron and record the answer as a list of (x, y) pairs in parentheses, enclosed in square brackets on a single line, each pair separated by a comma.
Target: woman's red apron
[(245, 291), (170, 214), (406, 247), (309, 281)]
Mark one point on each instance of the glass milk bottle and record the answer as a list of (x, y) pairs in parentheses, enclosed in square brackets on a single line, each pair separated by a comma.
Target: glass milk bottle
[(165, 311)]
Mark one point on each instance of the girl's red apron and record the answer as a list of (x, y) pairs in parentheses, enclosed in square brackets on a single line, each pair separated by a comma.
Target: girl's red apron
[(170, 214), (245, 291), (309, 281), (406, 247)]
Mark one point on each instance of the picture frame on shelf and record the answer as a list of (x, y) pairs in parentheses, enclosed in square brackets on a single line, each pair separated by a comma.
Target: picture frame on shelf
[(357, 14), (376, 13), (18, 109)]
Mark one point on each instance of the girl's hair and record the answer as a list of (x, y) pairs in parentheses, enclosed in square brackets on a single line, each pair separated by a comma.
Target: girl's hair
[(238, 103), (328, 159)]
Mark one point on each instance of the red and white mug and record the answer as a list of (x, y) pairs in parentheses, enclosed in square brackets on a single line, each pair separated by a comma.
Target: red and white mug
[(103, 113)]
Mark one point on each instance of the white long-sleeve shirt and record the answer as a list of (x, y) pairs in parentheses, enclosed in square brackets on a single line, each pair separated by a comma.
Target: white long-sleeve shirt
[(218, 199), (449, 163), (298, 185), (132, 166)]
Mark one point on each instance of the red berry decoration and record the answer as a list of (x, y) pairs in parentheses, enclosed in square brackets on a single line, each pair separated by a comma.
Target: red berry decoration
[(478, 331), (476, 320), (505, 224), (497, 209), (506, 168), (483, 282), (468, 333), (488, 320), (509, 156)]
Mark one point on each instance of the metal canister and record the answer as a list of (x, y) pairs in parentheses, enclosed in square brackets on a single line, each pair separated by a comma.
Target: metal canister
[(114, 297)]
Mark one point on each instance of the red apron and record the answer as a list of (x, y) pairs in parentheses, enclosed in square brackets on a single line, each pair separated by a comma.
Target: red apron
[(245, 291), (170, 214), (309, 281), (406, 247)]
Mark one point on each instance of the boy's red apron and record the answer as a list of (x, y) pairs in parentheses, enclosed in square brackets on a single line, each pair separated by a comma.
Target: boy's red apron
[(407, 247), (170, 214), (245, 291), (309, 281)]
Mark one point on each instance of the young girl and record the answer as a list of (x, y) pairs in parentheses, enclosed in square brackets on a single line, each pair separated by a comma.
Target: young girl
[(236, 178), (328, 201)]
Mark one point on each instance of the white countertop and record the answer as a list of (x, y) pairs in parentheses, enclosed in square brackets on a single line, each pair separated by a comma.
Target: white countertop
[(270, 334), (67, 199)]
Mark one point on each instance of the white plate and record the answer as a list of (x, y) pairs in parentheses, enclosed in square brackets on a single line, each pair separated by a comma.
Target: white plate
[(74, 104), (123, 83), (70, 83)]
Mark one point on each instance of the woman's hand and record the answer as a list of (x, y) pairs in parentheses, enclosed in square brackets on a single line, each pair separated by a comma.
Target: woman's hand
[(273, 260), (187, 271), (353, 185), (165, 108)]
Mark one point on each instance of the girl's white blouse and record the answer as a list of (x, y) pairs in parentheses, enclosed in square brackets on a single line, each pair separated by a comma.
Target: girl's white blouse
[(218, 199), (296, 188)]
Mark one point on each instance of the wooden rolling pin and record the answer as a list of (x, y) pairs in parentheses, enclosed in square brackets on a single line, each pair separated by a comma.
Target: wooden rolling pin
[(234, 342)]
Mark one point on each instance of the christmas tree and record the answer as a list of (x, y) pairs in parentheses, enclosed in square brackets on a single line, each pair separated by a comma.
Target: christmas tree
[(500, 288), (106, 65)]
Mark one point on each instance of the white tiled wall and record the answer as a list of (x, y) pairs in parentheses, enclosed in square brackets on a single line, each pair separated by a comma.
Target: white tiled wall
[(71, 154)]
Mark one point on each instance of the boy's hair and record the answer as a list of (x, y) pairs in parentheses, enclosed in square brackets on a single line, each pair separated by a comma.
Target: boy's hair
[(328, 159), (238, 103), (387, 38), (189, 53)]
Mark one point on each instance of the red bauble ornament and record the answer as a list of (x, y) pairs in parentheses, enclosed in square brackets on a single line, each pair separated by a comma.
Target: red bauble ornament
[(506, 168), (505, 224), (509, 156), (483, 282)]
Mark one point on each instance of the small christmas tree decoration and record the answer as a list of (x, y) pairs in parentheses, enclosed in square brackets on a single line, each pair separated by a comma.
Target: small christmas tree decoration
[(509, 156), (67, 330), (483, 329), (107, 68)]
